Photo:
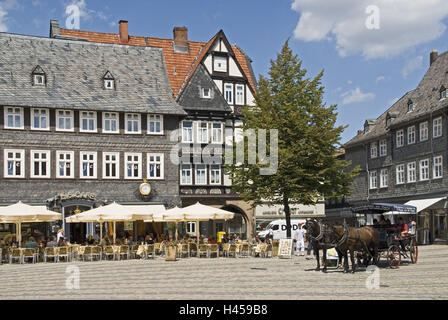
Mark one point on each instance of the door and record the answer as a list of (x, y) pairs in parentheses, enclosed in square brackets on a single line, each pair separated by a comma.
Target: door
[(440, 226)]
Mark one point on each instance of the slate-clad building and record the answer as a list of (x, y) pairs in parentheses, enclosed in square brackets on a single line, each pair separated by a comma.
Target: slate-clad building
[(83, 124), (403, 153)]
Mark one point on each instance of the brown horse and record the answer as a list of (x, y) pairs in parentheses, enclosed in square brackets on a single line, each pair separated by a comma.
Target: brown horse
[(365, 239)]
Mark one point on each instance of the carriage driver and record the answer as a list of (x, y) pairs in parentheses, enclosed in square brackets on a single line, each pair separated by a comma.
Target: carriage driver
[(402, 228)]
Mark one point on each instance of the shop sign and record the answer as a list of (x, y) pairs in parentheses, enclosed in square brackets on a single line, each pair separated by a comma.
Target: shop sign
[(75, 195)]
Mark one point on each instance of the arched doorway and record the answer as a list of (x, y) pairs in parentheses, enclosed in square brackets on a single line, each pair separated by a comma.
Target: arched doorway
[(238, 225)]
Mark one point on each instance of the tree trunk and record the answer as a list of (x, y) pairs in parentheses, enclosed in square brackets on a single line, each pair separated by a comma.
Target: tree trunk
[(288, 217)]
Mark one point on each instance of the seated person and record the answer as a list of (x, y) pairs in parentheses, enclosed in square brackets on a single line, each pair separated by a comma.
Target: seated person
[(52, 243), (382, 221), (402, 227), (31, 243), (62, 242), (90, 240)]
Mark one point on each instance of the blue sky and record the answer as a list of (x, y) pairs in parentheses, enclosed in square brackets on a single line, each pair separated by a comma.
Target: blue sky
[(366, 69)]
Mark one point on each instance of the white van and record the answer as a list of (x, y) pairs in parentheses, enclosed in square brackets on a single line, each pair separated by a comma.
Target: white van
[(278, 228)]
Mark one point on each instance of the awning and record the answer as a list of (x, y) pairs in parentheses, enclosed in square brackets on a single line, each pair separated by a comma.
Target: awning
[(424, 203), (378, 208)]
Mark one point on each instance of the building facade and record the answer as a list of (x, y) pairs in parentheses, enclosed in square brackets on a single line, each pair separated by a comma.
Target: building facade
[(403, 154), (211, 81), (83, 124)]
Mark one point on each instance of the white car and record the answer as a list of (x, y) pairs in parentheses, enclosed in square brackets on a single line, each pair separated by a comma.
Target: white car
[(278, 228)]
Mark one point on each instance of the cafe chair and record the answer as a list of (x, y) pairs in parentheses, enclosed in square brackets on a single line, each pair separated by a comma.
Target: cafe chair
[(203, 250), (124, 251), (134, 250), (87, 253), (193, 247), (50, 252), (63, 252), (150, 251), (15, 254), (213, 249), (29, 253), (244, 250), (96, 253), (108, 252), (183, 250)]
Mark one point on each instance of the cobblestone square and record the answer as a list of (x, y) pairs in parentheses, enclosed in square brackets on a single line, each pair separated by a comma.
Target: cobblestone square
[(225, 278)]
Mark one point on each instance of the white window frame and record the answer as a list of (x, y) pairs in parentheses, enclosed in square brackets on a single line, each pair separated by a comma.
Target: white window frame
[(384, 178), (91, 116), (65, 116), (152, 118), (189, 168), (126, 120), (373, 150), (71, 162), (138, 162), (400, 173), (383, 147), (206, 96), (200, 130), (47, 162), (229, 101), (411, 172), (107, 82), (424, 132), (223, 61), (15, 160), (14, 114), (216, 171), (423, 167), (40, 115), (220, 129), (437, 126), (437, 167), (237, 100), (196, 168), (400, 138), (39, 83), (110, 162), (442, 94), (94, 163), (191, 227), (373, 180), (161, 162), (110, 119), (187, 129), (411, 133)]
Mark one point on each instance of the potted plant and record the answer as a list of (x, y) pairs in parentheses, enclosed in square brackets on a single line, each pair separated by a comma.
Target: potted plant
[(171, 251)]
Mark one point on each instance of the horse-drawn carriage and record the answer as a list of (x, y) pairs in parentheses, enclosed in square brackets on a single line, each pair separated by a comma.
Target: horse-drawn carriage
[(393, 244)]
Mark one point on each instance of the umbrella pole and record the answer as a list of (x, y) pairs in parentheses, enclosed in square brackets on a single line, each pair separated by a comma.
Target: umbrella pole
[(101, 231), (20, 234), (176, 229), (197, 236), (115, 230)]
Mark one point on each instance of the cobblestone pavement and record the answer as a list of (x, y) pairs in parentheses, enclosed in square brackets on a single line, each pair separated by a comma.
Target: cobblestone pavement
[(226, 278)]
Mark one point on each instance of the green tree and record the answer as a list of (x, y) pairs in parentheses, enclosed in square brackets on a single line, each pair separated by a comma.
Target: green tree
[(308, 141)]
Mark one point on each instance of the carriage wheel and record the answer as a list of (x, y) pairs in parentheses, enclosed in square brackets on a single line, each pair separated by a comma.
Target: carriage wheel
[(414, 251), (394, 256)]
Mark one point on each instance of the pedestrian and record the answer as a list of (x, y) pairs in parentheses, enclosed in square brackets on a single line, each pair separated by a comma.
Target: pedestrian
[(299, 236)]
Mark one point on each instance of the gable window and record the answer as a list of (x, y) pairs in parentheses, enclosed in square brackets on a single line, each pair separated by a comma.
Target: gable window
[(424, 131), (437, 167), (373, 150), (65, 164), (424, 169), (442, 93), (202, 132), (206, 93), (383, 148), (14, 118), (228, 93), (400, 138), (185, 174), (400, 174), (40, 164), (217, 132), (14, 163), (111, 165), (373, 180), (239, 94), (411, 135), (39, 77), (155, 124), (412, 174), (220, 64), (215, 174), (109, 81), (111, 122), (187, 131), (410, 106), (88, 165), (133, 165), (87, 121), (64, 120), (155, 166), (437, 127), (201, 174), (132, 123), (384, 178)]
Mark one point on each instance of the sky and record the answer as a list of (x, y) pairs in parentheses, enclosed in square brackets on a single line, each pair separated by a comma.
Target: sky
[(372, 51)]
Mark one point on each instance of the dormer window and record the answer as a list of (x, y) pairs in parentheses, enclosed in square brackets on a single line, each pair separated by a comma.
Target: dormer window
[(38, 77), (206, 93), (410, 106), (442, 93), (109, 81)]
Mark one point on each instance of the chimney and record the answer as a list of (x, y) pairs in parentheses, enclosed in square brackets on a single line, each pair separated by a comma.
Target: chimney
[(360, 132), (123, 31), (433, 57), (180, 36)]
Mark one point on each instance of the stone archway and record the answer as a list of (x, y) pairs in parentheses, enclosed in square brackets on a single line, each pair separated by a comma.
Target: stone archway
[(240, 224)]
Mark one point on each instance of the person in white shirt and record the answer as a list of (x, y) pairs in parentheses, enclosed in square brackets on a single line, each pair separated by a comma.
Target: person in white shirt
[(299, 236)]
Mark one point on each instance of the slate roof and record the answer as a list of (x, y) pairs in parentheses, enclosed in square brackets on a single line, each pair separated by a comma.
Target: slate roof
[(425, 98), (74, 72)]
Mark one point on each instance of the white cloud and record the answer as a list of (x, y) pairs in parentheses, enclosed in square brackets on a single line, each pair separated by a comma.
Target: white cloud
[(403, 24), (412, 66), (356, 96), (5, 6), (3, 26), (392, 101), (380, 78)]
